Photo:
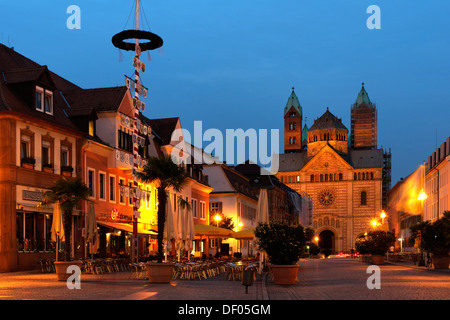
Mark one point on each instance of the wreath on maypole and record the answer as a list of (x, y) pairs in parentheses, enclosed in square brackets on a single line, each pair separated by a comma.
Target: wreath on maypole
[(154, 41)]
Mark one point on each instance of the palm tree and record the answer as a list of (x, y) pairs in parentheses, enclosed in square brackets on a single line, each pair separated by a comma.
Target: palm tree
[(166, 174), (69, 193)]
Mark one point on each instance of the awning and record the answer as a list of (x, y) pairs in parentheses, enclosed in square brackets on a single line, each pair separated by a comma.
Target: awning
[(211, 231), (246, 234), (126, 227)]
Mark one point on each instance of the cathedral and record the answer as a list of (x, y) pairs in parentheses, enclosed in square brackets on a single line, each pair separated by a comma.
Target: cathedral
[(345, 173)]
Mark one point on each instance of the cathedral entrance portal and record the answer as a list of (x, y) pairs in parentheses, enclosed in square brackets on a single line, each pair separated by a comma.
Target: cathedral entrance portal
[(326, 242)]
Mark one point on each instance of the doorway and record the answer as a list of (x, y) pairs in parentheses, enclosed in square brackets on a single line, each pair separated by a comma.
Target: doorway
[(326, 242)]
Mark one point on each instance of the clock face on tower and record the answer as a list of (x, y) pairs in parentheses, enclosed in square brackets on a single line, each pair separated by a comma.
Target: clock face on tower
[(326, 197)]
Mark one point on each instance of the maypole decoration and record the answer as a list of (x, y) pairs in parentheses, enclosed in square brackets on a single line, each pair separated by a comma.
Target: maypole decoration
[(154, 42)]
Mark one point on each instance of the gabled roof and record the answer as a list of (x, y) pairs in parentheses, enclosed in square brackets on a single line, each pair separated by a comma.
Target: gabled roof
[(164, 128), (293, 103), (327, 148), (239, 182), (16, 69), (327, 121), (102, 99)]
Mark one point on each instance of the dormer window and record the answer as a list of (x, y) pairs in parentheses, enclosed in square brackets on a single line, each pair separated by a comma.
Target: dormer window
[(44, 100)]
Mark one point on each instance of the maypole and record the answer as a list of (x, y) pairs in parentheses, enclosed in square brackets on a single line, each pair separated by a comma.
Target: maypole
[(154, 42)]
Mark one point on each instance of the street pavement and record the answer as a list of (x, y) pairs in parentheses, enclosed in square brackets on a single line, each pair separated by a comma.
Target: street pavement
[(318, 279)]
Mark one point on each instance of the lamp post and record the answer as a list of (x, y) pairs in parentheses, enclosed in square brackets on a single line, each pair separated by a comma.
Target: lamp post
[(401, 244), (218, 218)]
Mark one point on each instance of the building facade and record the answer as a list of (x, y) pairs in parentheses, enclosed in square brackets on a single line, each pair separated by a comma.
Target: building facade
[(344, 183)]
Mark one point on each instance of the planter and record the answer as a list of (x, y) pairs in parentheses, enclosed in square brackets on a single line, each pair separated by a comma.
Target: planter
[(61, 269), (285, 274), (377, 259), (159, 272), (28, 165), (440, 261), (67, 173), (47, 169)]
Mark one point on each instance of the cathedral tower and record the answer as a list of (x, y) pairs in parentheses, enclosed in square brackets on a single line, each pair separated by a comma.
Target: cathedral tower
[(292, 125), (328, 129), (363, 122)]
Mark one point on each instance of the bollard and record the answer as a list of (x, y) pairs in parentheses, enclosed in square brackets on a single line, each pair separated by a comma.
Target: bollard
[(247, 278)]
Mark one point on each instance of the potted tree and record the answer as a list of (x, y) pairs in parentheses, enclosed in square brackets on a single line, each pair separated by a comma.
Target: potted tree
[(362, 246), (435, 239), (378, 243), (166, 174), (68, 193), (283, 244)]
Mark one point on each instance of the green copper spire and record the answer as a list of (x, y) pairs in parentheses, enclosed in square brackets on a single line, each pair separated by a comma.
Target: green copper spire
[(293, 102), (305, 133), (363, 98)]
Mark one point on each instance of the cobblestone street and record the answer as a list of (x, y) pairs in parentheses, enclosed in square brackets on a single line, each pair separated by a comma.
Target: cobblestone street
[(319, 279)]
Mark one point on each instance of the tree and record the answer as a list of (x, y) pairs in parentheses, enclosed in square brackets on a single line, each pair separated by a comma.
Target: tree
[(69, 193), (166, 174)]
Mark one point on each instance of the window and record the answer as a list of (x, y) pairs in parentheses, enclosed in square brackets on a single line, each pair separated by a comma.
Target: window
[(194, 208), (130, 193), (122, 192), (44, 100), (91, 128), (64, 156), (46, 152), (202, 210), (363, 198), (39, 98), (215, 206), (33, 231), (102, 186), (25, 146), (112, 188), (91, 174), (312, 178), (125, 141), (48, 102)]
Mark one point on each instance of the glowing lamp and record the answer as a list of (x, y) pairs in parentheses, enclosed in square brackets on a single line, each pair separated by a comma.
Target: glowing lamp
[(422, 195)]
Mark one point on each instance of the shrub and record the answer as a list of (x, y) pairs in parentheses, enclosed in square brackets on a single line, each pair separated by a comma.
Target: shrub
[(283, 243)]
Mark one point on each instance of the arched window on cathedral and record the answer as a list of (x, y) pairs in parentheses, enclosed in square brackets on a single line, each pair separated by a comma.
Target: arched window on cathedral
[(312, 178), (290, 140), (341, 176), (371, 176), (363, 198), (355, 176), (295, 141), (321, 177)]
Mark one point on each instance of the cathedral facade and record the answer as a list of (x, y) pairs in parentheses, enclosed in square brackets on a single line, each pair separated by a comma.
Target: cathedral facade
[(343, 172)]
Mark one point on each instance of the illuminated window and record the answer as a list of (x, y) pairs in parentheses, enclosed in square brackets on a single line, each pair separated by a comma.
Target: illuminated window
[(91, 128)]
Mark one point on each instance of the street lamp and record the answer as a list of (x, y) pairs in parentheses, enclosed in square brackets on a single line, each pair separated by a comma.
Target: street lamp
[(217, 217), (401, 244)]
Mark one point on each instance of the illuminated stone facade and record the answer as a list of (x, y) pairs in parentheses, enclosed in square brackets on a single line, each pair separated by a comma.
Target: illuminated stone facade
[(344, 183)]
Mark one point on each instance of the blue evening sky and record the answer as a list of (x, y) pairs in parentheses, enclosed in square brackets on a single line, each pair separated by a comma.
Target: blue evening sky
[(232, 64)]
